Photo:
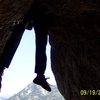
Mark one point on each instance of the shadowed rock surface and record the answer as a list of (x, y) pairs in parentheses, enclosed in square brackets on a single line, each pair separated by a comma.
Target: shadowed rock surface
[(74, 30), (11, 13)]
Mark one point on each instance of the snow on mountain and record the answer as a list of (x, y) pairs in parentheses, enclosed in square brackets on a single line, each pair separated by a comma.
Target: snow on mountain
[(35, 92)]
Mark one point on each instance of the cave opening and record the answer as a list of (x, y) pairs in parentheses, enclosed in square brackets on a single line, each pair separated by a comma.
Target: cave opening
[(21, 70)]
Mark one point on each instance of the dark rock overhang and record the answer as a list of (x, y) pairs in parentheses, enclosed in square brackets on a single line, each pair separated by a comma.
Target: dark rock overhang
[(74, 38), (11, 13)]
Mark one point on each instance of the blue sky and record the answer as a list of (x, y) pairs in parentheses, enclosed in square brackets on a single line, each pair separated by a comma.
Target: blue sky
[(21, 69)]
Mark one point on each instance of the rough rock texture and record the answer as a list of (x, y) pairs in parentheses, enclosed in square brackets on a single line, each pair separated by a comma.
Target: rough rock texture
[(11, 13), (74, 29), (75, 56)]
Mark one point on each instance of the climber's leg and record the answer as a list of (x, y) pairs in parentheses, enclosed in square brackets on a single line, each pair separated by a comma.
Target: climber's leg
[(41, 42), (40, 67)]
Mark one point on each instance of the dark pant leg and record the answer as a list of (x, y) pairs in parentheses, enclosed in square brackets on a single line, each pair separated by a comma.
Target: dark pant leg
[(41, 41)]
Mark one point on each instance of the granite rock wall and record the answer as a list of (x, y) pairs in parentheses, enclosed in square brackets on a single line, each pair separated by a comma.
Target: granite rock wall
[(74, 36)]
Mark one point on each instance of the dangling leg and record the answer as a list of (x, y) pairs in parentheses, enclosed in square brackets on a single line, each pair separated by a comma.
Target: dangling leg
[(40, 67), (41, 41)]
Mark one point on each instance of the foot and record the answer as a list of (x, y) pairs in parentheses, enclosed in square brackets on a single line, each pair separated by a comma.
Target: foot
[(41, 80)]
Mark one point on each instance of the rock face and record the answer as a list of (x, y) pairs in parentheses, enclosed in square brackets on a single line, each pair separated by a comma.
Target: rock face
[(75, 56), (11, 13), (74, 27)]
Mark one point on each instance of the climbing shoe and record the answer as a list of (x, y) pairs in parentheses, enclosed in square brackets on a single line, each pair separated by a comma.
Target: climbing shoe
[(41, 80)]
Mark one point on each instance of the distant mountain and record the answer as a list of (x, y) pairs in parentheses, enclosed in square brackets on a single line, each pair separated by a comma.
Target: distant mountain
[(35, 92)]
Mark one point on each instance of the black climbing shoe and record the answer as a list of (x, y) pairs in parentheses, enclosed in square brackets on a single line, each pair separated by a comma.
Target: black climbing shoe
[(41, 80)]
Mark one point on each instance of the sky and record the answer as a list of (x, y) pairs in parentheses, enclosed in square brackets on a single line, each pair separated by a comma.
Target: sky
[(21, 70)]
